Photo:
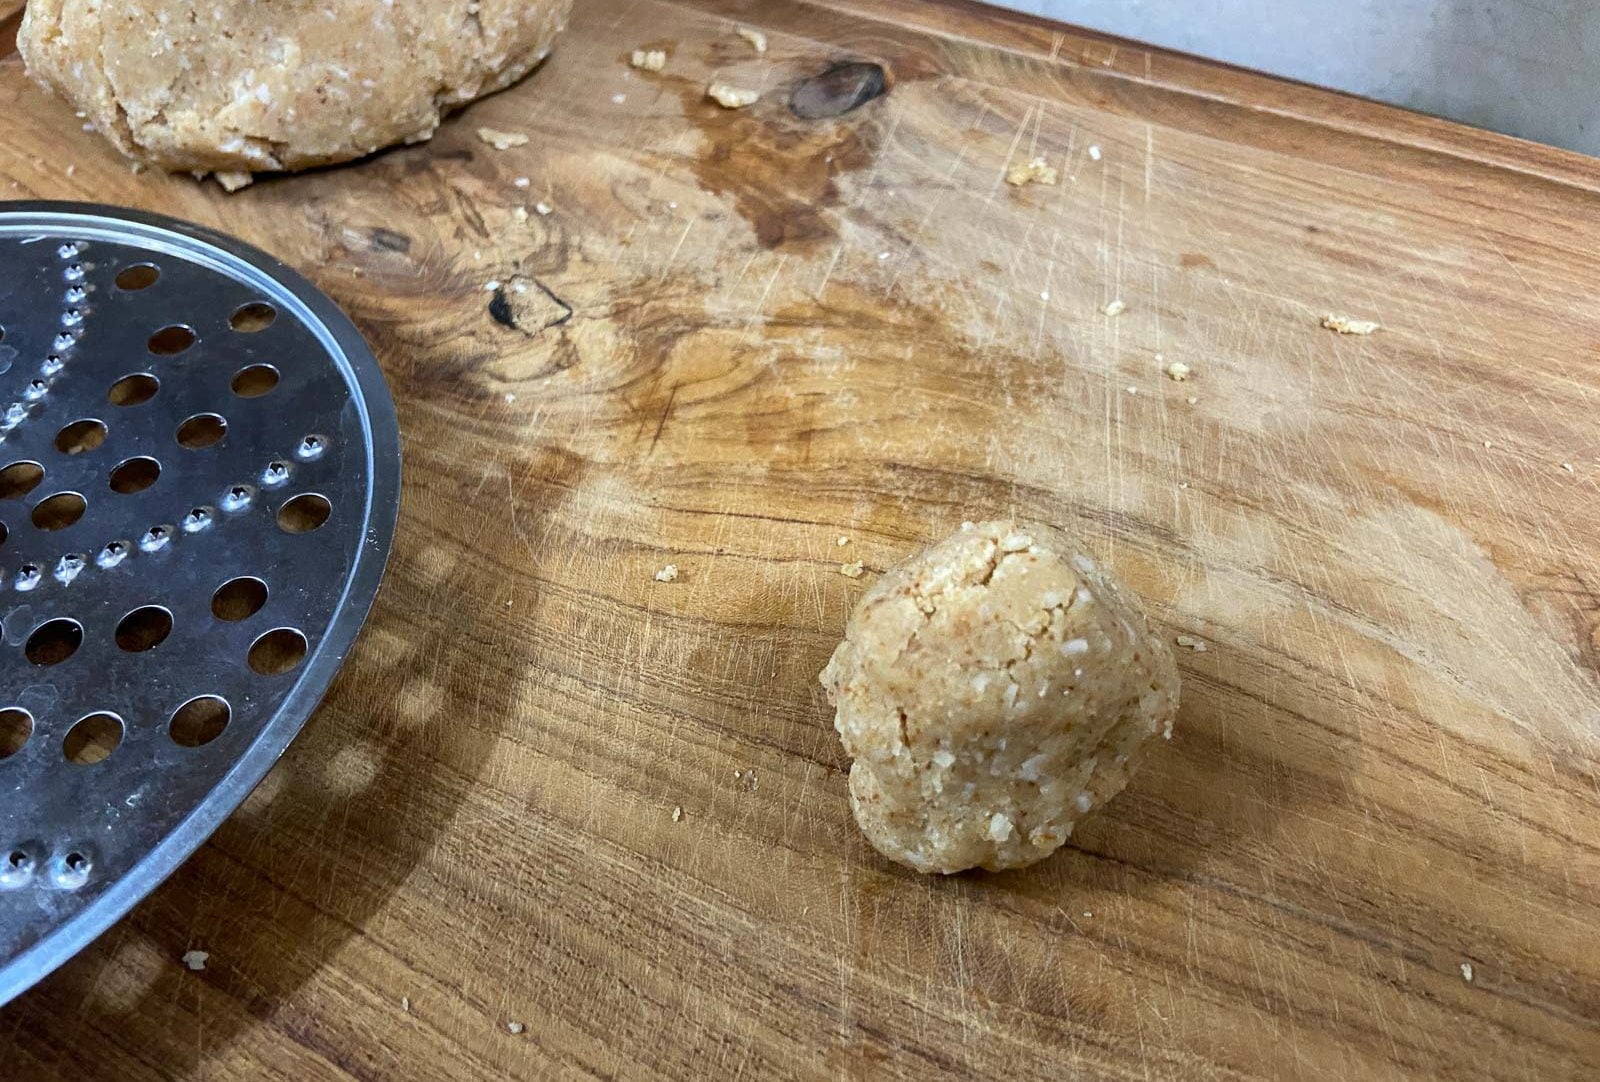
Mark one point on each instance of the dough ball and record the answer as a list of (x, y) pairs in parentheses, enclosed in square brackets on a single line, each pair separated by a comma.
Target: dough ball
[(993, 690), (237, 86)]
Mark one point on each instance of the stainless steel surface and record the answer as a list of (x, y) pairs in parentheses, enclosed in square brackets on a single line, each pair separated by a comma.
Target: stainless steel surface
[(1515, 66), (194, 407)]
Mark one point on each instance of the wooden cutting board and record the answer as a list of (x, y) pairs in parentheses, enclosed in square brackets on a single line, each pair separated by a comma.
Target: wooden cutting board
[(1371, 851)]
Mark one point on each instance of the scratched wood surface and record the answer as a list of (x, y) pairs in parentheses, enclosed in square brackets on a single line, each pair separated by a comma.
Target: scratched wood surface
[(1372, 849)]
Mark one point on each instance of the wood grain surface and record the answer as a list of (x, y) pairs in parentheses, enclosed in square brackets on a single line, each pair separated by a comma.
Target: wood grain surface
[(1372, 849)]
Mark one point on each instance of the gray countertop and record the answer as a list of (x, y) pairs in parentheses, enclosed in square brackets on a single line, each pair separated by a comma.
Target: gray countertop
[(1515, 66)]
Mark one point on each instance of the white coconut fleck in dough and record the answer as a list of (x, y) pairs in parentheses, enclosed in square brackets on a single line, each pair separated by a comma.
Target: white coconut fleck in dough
[(981, 730)]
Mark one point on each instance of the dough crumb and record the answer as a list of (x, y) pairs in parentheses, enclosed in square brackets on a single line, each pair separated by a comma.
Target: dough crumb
[(232, 180), (732, 97), (1466, 972), (648, 59), (1568, 467), (757, 40), (1177, 371), (668, 573), (502, 140), (542, 209), (520, 214), (746, 779), (1037, 171), (1116, 308), (1192, 400), (843, 541), (1189, 641), (618, 99), (852, 571), (405, 1004), (515, 1028), (196, 960), (1094, 151), (677, 813), (1346, 325), (521, 182)]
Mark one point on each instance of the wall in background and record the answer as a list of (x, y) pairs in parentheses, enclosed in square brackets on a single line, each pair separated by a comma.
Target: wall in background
[(1525, 67)]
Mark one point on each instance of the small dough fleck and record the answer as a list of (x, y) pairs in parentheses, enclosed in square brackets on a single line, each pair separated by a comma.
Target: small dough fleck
[(648, 59), (515, 1028), (668, 573), (500, 140), (732, 97), (196, 960), (1094, 151), (993, 690), (1189, 642), (1346, 325), (1115, 308), (1037, 171), (1466, 972), (843, 541), (851, 571), (1177, 371), (757, 40)]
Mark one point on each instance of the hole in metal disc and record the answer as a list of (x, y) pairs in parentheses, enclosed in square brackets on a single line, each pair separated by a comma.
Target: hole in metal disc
[(132, 389), (59, 511), (137, 276), (253, 317), (171, 340), (53, 641), (201, 430), (19, 478), (278, 651), (144, 629), (239, 599), (93, 738), (255, 381), (16, 725), (199, 721), (134, 475), (81, 436), (304, 513)]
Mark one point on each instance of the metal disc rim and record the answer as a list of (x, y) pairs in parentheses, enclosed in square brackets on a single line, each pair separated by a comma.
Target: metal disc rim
[(381, 513)]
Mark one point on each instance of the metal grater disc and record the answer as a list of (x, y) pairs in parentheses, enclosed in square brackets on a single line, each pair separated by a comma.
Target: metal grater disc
[(199, 476)]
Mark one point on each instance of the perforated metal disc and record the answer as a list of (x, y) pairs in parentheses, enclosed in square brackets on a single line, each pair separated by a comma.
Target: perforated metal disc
[(199, 475)]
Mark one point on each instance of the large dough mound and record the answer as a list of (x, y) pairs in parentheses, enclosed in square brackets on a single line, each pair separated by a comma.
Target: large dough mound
[(993, 690), (235, 86)]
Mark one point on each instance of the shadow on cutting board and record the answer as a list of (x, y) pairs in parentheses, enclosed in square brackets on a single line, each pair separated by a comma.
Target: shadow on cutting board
[(297, 875)]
